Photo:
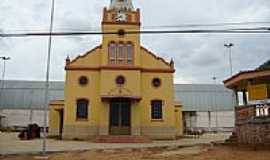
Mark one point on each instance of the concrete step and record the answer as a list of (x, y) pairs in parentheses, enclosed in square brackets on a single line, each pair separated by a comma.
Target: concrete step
[(232, 139), (121, 139), (231, 143)]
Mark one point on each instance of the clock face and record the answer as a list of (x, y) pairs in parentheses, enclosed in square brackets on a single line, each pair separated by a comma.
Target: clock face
[(121, 17)]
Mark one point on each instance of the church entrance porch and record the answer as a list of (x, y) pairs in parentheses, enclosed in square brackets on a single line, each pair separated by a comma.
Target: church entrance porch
[(120, 117)]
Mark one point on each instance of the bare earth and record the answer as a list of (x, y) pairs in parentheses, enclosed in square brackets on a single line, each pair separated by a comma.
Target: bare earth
[(187, 153), (182, 149), (10, 144)]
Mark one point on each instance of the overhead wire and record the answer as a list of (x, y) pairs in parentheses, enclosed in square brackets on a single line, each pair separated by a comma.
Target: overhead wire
[(94, 29), (193, 31)]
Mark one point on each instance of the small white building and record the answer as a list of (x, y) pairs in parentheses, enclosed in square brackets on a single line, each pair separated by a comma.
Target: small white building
[(206, 107)]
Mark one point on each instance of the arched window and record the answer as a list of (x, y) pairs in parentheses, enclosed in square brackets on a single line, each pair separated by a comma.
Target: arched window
[(112, 53), (156, 110), (82, 109), (129, 53), (121, 54)]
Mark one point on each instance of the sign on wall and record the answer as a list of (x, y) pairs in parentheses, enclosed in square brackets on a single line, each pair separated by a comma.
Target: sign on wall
[(257, 92)]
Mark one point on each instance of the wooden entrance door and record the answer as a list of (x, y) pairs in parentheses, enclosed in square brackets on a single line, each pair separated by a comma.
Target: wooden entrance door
[(61, 123), (120, 115)]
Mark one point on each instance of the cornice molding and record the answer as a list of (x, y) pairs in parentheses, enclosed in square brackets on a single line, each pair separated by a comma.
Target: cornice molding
[(128, 68)]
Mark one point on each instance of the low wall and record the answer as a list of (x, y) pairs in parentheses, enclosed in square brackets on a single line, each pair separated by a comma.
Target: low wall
[(21, 117), (255, 132), (250, 128)]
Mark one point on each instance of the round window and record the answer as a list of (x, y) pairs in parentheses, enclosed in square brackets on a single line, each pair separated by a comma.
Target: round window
[(83, 80), (120, 80), (156, 82), (121, 32)]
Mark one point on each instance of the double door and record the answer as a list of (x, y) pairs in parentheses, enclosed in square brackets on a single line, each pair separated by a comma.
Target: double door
[(120, 117)]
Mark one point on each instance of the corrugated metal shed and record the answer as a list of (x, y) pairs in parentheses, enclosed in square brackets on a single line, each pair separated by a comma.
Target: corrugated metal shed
[(205, 97), (28, 94), (194, 97)]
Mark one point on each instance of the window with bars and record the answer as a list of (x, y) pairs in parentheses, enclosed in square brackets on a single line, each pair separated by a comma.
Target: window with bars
[(82, 109), (129, 53), (156, 110), (112, 53), (121, 53)]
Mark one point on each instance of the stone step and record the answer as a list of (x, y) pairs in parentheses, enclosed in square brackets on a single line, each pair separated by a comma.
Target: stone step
[(233, 133), (232, 139), (121, 139)]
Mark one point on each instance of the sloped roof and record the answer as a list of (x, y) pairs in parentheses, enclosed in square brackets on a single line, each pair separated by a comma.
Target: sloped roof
[(28, 94), (155, 56), (241, 78), (85, 54)]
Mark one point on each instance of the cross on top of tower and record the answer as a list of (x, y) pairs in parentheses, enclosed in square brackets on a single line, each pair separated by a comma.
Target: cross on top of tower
[(121, 5)]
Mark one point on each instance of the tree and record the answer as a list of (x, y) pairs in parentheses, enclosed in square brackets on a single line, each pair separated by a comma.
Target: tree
[(266, 65)]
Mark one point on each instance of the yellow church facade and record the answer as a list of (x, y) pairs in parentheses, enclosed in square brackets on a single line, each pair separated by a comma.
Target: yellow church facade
[(119, 87)]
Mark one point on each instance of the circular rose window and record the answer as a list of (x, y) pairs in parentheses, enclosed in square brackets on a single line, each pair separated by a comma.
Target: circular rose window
[(83, 80), (156, 82), (120, 80)]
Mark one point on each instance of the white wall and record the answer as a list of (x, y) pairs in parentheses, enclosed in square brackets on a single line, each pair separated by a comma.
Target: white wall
[(224, 119), (21, 117)]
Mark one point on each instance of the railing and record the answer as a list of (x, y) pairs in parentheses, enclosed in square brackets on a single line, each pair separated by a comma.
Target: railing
[(248, 113)]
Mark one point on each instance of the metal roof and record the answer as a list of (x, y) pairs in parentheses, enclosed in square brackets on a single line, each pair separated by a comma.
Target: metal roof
[(28, 94), (194, 97), (204, 97)]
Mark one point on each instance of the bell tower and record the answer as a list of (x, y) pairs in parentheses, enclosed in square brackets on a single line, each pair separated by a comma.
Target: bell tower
[(121, 18)]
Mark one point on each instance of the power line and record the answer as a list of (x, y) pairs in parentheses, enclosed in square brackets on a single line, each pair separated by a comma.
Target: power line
[(213, 24), (199, 31), (154, 26)]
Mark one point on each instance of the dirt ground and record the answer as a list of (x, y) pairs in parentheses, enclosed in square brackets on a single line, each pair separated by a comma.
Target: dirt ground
[(186, 153)]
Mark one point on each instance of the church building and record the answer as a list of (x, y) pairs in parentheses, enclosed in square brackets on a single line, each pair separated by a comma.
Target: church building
[(118, 87)]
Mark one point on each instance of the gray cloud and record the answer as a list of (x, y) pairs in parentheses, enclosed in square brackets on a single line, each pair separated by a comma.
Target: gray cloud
[(198, 57)]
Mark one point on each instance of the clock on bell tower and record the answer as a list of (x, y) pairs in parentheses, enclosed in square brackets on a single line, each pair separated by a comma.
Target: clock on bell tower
[(120, 18)]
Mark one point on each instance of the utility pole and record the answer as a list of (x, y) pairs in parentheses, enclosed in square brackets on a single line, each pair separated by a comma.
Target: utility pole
[(229, 46), (215, 101), (30, 107), (46, 96)]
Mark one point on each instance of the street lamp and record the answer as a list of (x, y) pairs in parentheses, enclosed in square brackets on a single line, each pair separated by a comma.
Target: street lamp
[(3, 76), (4, 69), (229, 46)]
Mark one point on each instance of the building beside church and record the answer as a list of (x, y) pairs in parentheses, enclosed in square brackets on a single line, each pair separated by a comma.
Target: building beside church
[(119, 87), (21, 103), (252, 119)]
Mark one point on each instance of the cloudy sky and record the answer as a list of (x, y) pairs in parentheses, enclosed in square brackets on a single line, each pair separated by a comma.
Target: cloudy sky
[(198, 57)]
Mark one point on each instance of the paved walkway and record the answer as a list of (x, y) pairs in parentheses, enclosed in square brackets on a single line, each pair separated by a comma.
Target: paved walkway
[(10, 144)]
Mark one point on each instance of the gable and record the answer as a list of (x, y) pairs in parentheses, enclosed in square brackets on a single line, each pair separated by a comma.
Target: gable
[(150, 60), (89, 59)]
